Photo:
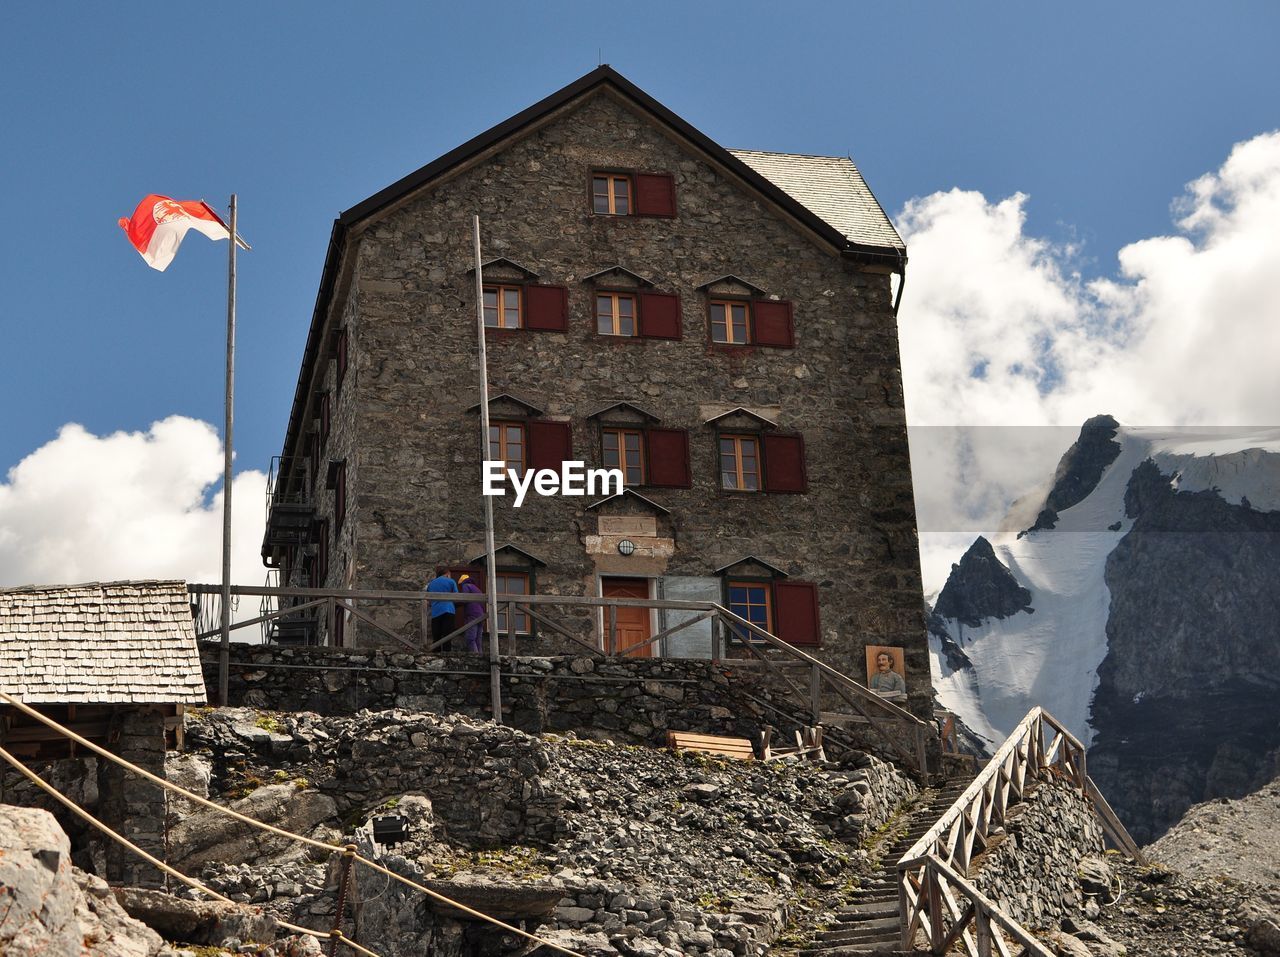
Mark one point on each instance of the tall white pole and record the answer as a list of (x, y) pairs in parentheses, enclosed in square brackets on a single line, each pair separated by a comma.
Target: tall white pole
[(495, 664), (224, 652)]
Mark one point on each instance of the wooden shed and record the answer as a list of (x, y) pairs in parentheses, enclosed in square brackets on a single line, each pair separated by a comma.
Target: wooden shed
[(117, 662)]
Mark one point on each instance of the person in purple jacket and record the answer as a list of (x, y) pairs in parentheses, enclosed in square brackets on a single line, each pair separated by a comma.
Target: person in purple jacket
[(472, 611)]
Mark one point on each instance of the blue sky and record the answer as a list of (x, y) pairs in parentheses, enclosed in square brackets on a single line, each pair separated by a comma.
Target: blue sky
[(1099, 112)]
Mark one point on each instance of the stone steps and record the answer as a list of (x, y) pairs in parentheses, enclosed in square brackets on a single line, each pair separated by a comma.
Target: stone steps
[(868, 924)]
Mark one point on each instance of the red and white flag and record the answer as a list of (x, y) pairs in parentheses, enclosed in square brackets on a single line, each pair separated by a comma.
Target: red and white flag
[(159, 223)]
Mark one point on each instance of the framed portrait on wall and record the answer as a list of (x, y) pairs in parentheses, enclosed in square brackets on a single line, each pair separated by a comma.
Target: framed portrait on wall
[(887, 672)]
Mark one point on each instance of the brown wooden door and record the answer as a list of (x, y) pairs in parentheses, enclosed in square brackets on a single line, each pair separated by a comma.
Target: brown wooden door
[(632, 623)]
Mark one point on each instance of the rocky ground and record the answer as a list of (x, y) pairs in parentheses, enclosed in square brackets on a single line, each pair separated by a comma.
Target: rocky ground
[(637, 850), (1161, 913), (1235, 838)]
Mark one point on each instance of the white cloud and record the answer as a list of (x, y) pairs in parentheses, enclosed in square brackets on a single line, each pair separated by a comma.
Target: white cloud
[(998, 330), (84, 507)]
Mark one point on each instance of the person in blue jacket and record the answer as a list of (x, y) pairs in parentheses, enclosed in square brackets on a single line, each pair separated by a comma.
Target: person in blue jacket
[(442, 610)]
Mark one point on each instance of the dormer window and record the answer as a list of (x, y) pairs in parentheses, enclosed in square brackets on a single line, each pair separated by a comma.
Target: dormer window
[(611, 194)]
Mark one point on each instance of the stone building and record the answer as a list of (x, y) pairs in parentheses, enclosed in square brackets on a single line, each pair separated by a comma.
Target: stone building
[(719, 324), (117, 663)]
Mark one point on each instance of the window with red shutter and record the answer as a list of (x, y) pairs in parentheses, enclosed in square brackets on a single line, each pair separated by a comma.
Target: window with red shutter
[(341, 356), (660, 315), (655, 194), (667, 458), (324, 417), (550, 444), (339, 495), (773, 323), (546, 308), (784, 468), (795, 612)]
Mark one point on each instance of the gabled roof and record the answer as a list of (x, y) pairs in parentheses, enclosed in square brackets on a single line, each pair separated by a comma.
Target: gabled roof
[(130, 642), (628, 493), (507, 397), (833, 188), (741, 411), (874, 245), (751, 558), (734, 279), (509, 263), (482, 558), (623, 404), (611, 270)]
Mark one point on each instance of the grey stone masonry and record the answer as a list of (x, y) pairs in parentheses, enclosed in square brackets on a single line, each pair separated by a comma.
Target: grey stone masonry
[(1033, 874), (405, 419), (131, 804), (624, 700)]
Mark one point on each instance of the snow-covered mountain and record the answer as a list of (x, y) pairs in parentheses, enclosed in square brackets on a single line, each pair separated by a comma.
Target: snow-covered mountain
[(1142, 608)]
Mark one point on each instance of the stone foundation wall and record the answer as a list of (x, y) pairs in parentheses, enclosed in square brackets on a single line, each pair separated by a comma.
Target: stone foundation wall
[(130, 803), (628, 700), (1033, 874)]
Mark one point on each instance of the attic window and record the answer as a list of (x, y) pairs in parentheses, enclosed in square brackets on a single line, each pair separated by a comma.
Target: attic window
[(611, 194), (633, 194)]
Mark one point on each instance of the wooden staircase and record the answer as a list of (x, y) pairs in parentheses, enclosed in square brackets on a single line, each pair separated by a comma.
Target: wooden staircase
[(869, 923)]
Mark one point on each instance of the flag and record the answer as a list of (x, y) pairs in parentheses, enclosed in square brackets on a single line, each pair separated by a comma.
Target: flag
[(159, 223)]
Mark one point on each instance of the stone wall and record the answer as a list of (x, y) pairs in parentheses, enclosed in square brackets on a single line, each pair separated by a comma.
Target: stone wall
[(1033, 874), (405, 424), (625, 700), (130, 803)]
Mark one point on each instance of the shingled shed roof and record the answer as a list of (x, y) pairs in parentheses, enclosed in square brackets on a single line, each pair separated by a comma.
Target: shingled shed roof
[(127, 642), (831, 187)]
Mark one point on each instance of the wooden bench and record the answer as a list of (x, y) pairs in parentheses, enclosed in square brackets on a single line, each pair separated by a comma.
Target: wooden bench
[(737, 748)]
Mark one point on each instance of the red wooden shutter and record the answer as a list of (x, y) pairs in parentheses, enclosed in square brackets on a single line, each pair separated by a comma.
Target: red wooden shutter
[(659, 315), (546, 308), (784, 469), (655, 194), (341, 353), (550, 443), (667, 458), (795, 612), (774, 325)]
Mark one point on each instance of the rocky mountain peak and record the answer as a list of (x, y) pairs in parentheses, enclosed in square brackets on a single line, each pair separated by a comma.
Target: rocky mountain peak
[(1079, 469), (980, 586)]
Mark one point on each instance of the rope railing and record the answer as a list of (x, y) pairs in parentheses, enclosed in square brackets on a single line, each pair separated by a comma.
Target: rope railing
[(263, 826), (936, 866)]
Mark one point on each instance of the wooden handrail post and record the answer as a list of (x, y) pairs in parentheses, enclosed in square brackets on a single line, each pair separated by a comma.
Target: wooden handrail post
[(611, 648), (815, 693), (717, 640), (933, 889), (982, 924), (904, 912), (922, 752), (511, 628), (331, 625), (424, 613)]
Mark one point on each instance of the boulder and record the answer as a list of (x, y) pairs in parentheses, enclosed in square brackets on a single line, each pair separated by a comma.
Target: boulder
[(197, 922), (54, 909), (211, 836)]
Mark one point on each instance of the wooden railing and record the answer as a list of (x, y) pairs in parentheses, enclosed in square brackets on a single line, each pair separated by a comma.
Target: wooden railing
[(934, 896), (902, 732)]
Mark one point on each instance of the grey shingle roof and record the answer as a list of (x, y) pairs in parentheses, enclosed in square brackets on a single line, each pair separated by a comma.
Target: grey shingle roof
[(127, 642), (830, 187)]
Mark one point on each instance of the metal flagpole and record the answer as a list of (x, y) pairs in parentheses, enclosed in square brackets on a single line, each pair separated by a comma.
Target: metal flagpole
[(224, 651), (491, 584)]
